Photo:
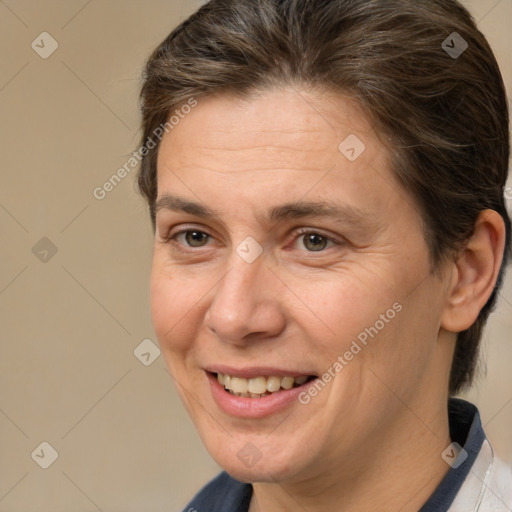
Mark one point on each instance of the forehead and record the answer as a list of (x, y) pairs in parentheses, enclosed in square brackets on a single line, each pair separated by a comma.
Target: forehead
[(283, 142), (276, 125)]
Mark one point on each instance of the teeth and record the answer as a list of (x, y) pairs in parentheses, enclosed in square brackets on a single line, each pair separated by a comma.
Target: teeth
[(274, 383), (258, 386), (287, 382), (239, 385)]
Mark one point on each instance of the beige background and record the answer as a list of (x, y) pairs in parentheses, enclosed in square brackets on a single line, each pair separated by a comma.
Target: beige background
[(70, 325)]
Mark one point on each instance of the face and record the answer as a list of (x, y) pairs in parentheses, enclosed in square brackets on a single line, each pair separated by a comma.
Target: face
[(285, 248)]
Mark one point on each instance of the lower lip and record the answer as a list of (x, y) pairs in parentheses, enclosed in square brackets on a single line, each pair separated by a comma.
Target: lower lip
[(243, 407)]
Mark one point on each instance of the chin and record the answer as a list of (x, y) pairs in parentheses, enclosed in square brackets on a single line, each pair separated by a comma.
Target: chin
[(257, 459), (260, 472)]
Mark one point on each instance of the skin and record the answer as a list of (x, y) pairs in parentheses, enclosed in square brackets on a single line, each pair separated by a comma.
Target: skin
[(372, 438)]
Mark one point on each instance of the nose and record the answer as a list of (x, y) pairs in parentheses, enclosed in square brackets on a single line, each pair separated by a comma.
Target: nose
[(246, 303)]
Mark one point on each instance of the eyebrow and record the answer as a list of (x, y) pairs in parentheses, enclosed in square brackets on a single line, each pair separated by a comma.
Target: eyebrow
[(291, 210)]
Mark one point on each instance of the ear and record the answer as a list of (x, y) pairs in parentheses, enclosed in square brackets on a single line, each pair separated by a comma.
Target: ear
[(474, 273)]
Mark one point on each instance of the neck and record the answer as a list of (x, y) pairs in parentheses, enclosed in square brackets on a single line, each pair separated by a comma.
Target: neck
[(398, 472)]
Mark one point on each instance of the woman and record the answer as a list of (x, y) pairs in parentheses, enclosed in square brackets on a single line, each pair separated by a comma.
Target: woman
[(325, 181)]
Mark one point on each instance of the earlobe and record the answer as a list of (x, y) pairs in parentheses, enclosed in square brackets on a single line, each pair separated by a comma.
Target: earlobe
[(475, 272)]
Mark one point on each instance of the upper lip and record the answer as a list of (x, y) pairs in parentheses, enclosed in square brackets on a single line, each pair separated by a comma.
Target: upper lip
[(256, 371)]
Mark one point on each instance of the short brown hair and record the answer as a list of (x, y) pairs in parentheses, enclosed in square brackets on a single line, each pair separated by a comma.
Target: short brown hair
[(446, 114)]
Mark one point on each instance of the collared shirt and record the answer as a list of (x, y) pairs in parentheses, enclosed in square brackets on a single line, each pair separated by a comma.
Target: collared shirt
[(476, 482)]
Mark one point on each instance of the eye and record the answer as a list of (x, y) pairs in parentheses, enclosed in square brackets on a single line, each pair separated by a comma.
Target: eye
[(314, 241), (192, 237), (187, 238)]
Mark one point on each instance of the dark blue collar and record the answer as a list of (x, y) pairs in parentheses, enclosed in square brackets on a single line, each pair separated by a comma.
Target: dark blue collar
[(466, 430), (225, 494)]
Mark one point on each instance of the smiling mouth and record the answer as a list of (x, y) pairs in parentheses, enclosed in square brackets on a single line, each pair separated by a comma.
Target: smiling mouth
[(259, 387)]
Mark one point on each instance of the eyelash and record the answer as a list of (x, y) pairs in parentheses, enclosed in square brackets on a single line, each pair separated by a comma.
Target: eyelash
[(302, 232)]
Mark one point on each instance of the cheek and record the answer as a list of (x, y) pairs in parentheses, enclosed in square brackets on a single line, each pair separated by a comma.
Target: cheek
[(402, 352), (174, 305), (372, 316), (347, 308)]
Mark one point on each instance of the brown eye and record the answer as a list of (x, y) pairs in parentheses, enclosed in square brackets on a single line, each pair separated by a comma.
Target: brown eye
[(194, 238), (315, 242)]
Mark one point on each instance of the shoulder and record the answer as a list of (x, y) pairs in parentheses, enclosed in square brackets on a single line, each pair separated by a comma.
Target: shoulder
[(489, 488), (498, 492), (222, 494)]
